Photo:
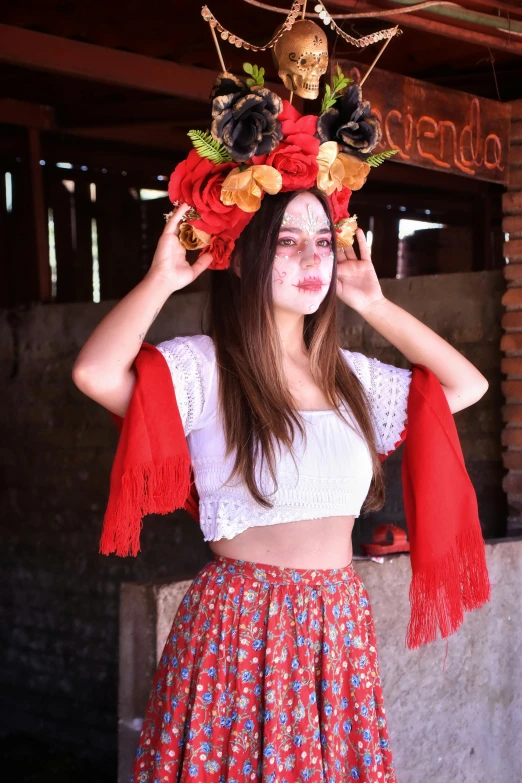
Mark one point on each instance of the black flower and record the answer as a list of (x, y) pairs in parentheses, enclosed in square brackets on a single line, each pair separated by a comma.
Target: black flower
[(351, 124), (244, 119)]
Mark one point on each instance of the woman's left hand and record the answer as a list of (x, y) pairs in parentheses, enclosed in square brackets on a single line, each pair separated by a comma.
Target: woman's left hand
[(357, 282)]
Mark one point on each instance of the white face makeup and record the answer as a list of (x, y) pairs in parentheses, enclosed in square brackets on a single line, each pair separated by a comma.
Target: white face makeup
[(303, 262)]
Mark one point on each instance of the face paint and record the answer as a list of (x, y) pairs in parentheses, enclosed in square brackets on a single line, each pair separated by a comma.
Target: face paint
[(303, 263)]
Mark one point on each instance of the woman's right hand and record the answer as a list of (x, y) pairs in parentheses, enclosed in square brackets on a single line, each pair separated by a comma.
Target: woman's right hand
[(170, 260)]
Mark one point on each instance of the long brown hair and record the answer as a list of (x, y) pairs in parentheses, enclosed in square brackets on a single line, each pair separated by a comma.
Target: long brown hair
[(257, 408)]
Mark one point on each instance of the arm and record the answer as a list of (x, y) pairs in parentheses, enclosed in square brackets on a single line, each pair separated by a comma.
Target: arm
[(358, 286), (103, 368)]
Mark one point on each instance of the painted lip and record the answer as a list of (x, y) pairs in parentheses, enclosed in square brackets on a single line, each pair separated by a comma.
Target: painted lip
[(312, 283)]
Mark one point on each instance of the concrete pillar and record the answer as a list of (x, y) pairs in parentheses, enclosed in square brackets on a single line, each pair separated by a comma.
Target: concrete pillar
[(146, 616), (511, 342)]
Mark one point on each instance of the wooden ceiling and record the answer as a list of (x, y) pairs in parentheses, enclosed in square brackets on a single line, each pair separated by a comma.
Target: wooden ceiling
[(488, 63)]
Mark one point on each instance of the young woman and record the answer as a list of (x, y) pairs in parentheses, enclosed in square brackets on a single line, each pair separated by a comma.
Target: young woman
[(270, 672)]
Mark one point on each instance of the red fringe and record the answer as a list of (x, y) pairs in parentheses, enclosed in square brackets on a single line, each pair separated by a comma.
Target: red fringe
[(463, 581), (149, 488)]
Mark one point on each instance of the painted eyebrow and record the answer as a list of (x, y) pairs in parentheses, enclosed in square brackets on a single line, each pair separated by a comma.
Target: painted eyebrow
[(296, 230)]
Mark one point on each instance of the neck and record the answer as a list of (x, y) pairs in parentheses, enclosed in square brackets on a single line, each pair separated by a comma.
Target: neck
[(290, 326)]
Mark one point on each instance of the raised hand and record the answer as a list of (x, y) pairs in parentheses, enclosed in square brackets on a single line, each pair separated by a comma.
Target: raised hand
[(357, 282), (170, 259)]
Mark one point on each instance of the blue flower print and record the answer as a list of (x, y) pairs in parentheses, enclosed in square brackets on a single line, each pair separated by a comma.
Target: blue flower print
[(267, 673)]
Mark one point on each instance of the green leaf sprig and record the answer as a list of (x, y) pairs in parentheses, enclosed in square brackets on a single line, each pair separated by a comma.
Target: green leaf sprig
[(256, 74), (208, 147), (376, 160), (331, 94)]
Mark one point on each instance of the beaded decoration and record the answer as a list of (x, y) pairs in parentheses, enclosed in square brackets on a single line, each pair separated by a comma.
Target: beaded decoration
[(310, 224)]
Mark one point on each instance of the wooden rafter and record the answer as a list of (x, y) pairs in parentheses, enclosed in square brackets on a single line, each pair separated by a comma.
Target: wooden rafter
[(109, 66), (455, 31)]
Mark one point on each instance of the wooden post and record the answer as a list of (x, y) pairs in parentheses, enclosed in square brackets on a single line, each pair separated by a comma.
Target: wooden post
[(511, 342)]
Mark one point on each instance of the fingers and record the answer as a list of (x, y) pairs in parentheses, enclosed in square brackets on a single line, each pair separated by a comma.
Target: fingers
[(349, 253), (201, 263), (173, 222), (363, 245), (364, 251)]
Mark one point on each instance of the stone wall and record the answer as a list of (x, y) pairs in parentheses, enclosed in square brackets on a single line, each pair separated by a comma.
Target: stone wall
[(60, 598)]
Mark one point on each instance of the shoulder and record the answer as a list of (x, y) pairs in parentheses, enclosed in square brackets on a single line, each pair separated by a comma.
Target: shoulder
[(387, 387), (373, 373), (191, 360), (195, 347)]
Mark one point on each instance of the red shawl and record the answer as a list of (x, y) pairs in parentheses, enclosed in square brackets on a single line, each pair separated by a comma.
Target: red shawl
[(152, 474)]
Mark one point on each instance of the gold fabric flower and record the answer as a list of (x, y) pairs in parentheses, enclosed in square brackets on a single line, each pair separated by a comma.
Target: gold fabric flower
[(345, 231), (355, 171), (337, 169), (245, 188), (192, 238)]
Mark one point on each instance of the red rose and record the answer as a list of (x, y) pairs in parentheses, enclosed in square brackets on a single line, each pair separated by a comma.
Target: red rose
[(339, 201), (293, 122), (295, 156), (197, 181), (296, 160), (221, 247)]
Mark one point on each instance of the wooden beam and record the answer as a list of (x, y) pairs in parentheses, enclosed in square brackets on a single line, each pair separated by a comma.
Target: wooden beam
[(470, 34), (154, 135), (31, 115), (109, 66)]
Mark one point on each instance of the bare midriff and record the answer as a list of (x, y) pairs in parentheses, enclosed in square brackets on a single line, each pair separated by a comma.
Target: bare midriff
[(308, 543)]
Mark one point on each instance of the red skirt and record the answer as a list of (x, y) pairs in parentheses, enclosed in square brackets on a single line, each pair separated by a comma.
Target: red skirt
[(269, 674)]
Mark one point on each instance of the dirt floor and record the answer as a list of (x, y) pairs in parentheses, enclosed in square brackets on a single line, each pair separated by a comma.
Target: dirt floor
[(26, 760)]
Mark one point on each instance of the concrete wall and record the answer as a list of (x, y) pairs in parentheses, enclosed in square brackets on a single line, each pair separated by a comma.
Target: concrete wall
[(60, 599), (458, 719)]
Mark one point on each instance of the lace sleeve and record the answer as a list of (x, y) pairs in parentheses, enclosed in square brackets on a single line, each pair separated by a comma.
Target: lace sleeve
[(189, 365), (387, 387)]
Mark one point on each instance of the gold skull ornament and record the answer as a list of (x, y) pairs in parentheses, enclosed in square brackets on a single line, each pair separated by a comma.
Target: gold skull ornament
[(301, 57)]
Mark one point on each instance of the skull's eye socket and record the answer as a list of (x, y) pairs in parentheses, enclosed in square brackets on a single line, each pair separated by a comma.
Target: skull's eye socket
[(307, 61)]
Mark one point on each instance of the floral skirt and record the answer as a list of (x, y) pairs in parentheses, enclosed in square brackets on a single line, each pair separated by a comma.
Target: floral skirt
[(269, 674)]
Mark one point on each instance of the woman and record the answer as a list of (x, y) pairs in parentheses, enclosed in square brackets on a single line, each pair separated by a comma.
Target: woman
[(270, 672)]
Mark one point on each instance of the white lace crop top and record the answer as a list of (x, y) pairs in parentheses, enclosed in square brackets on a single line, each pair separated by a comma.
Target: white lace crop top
[(334, 470)]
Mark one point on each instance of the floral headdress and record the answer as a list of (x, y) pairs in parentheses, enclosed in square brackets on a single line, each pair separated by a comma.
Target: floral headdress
[(259, 144)]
